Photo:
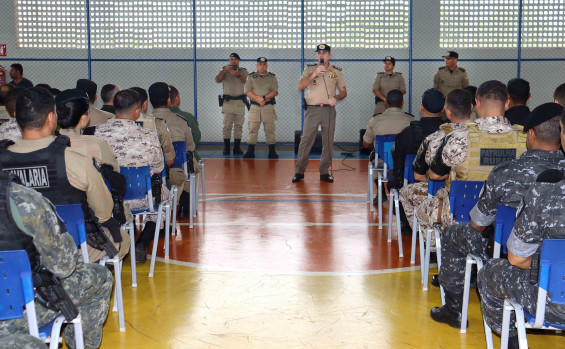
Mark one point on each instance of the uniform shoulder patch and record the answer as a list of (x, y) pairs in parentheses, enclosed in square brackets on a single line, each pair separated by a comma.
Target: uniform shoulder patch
[(550, 176), (412, 115), (399, 73), (312, 64), (252, 73), (269, 73), (462, 69), (381, 73), (336, 67)]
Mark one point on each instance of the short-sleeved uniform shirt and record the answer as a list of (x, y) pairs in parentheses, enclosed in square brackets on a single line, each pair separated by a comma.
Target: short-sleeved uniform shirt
[(233, 86), (387, 82), (392, 121), (446, 80), (324, 86), (262, 85)]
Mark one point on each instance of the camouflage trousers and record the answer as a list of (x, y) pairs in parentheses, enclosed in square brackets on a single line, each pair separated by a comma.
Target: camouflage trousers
[(411, 196), (89, 286), (21, 341), (458, 240), (498, 280)]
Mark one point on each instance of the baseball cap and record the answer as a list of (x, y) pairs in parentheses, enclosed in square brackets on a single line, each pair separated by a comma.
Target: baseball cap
[(323, 47), (451, 54), (391, 59), (235, 55), (262, 59)]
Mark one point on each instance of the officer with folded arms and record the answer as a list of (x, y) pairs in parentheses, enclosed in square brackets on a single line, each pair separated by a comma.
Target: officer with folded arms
[(385, 82)]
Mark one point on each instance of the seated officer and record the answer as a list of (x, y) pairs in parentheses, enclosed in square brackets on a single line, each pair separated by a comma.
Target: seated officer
[(28, 221), (391, 121), (135, 146), (190, 119), (97, 116), (10, 129), (506, 184), (518, 95), (72, 117), (62, 174), (539, 217)]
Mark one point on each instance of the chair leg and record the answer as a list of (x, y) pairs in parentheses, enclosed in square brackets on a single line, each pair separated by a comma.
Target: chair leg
[(414, 237), (175, 191), (79, 337), (398, 228), (438, 254), (191, 217), (370, 185), (389, 236), (119, 294), (167, 224), (427, 260), (129, 227), (155, 240), (56, 332), (466, 288), (380, 200), (422, 253), (506, 313), (194, 194), (203, 177)]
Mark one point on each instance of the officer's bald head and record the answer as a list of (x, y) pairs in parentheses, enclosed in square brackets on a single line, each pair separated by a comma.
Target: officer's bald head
[(127, 104)]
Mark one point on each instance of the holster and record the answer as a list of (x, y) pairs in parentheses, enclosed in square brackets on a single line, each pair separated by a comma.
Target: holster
[(96, 238), (156, 185), (118, 211), (377, 100), (190, 161), (50, 293), (220, 100), (534, 268), (304, 104)]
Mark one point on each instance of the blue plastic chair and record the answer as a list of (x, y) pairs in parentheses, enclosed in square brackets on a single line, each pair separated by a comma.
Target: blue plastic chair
[(551, 280), (505, 217), (138, 187), (408, 169), (73, 217), (383, 148), (181, 161), (17, 292)]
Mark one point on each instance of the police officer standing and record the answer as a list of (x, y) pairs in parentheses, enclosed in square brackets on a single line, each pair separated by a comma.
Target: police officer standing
[(322, 80), (261, 88), (233, 102), (387, 81), (450, 76)]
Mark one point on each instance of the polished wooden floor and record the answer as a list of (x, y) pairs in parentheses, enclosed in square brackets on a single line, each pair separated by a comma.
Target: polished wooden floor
[(275, 264)]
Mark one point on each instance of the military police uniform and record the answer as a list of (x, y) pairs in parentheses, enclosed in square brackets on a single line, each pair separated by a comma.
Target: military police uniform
[(98, 116), (385, 83), (93, 146), (318, 112), (540, 218), (446, 80), (194, 127), (10, 130), (392, 121), (159, 126), (88, 285)]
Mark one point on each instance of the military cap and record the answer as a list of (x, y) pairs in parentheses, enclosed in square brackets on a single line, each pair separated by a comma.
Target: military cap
[(323, 47), (390, 59), (262, 60), (433, 100), (451, 54), (158, 91), (541, 114), (69, 95), (87, 86), (235, 55)]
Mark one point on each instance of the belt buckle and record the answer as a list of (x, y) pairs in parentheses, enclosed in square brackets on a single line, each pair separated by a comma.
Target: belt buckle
[(321, 105)]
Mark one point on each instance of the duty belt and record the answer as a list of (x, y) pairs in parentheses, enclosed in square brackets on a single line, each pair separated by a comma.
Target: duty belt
[(270, 101), (319, 105), (232, 98)]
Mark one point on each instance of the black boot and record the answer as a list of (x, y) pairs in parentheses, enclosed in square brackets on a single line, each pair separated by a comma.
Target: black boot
[(226, 146), (513, 342), (272, 153), (383, 194), (450, 313), (250, 153), (144, 240), (236, 148), (184, 205)]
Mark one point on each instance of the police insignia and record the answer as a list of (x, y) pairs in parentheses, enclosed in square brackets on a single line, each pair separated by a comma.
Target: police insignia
[(32, 177), (333, 75)]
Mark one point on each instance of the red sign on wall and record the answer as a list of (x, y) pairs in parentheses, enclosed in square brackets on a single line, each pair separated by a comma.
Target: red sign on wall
[(2, 49)]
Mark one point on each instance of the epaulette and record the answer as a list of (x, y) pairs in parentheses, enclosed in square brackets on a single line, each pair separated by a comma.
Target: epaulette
[(377, 114), (252, 73), (381, 73), (550, 176), (399, 73), (442, 67), (336, 67), (409, 114), (462, 69), (312, 64), (269, 73)]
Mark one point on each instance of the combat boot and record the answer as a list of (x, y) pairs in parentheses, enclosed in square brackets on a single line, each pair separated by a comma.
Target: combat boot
[(184, 205), (226, 147), (236, 149), (450, 313), (250, 153), (272, 153)]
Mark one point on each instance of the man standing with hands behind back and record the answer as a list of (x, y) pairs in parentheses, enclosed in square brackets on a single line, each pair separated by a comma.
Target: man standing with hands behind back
[(321, 79)]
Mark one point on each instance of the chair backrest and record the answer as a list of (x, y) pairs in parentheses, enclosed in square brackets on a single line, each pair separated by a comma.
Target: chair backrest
[(463, 195), (383, 147), (434, 186), (408, 170), (505, 217), (552, 269), (17, 286), (180, 155), (73, 217)]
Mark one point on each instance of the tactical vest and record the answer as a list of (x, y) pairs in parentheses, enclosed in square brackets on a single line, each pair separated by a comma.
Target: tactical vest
[(11, 236), (43, 170), (446, 128), (486, 150)]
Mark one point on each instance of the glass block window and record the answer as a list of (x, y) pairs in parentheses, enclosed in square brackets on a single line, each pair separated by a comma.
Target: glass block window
[(136, 24), (543, 23), (357, 24), (248, 24), (478, 23), (50, 24)]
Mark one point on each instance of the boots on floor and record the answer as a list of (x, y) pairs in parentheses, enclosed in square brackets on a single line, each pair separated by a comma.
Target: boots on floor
[(226, 146), (236, 149), (450, 313), (272, 153), (144, 240), (250, 153), (184, 205)]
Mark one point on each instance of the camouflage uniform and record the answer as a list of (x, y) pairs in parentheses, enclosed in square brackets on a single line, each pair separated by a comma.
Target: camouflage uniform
[(506, 184), (88, 285), (135, 146), (541, 218), (4, 115), (10, 130), (21, 341)]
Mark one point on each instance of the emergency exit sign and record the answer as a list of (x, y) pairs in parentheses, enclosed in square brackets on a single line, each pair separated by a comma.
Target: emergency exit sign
[(2, 49)]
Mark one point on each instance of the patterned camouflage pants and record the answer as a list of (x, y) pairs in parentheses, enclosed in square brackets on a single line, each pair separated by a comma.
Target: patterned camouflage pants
[(89, 286), (21, 341), (412, 196), (457, 241), (497, 280)]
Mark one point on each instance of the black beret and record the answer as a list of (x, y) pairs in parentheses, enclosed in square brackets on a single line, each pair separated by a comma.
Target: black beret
[(69, 95), (542, 113), (235, 55), (433, 100), (159, 91), (87, 86)]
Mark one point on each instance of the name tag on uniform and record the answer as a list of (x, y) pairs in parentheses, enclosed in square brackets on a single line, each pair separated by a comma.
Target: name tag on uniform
[(32, 177), (493, 156), (139, 123)]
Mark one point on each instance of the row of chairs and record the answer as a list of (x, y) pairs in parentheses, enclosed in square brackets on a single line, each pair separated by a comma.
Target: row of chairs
[(463, 196)]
